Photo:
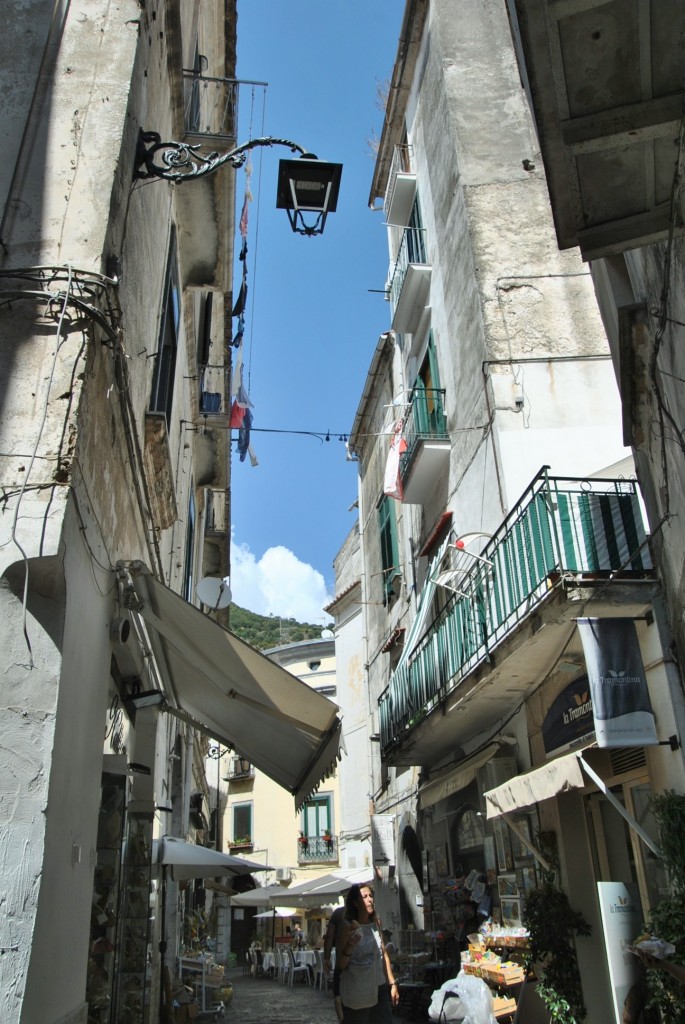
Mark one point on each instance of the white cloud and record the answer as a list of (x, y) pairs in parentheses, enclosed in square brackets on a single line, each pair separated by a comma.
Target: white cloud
[(278, 584)]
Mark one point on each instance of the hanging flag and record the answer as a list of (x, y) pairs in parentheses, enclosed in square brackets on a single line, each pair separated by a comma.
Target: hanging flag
[(620, 697), (392, 483)]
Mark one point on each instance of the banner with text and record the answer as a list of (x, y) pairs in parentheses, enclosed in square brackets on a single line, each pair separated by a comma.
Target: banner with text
[(621, 706)]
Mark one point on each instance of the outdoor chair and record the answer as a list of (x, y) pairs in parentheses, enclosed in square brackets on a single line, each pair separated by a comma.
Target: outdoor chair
[(295, 968)]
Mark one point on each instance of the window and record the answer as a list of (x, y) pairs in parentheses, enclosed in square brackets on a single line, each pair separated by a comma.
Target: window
[(317, 817), (389, 550), (429, 417), (416, 246), (242, 823), (165, 360)]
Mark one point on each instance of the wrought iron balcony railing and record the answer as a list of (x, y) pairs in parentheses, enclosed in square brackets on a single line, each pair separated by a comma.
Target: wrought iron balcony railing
[(559, 527), (317, 848), (412, 251), (424, 421), (210, 106), (240, 768)]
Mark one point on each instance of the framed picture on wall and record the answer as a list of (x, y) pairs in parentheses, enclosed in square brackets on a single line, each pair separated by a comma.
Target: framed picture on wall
[(526, 878), (505, 859), (511, 913), (507, 886), (520, 850), (442, 864)]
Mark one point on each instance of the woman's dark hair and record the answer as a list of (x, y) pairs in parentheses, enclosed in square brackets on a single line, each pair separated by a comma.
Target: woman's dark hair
[(353, 901)]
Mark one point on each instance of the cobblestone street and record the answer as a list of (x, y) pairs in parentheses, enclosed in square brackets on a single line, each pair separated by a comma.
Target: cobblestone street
[(264, 1001)]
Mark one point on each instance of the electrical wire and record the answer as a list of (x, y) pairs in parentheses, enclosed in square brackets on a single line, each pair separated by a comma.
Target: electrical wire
[(59, 341)]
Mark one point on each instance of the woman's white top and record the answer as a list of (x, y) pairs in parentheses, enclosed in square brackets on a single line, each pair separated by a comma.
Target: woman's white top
[(359, 981)]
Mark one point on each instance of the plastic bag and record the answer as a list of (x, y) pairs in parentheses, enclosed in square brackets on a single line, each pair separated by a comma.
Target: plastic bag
[(476, 999), (445, 1004), (465, 998)]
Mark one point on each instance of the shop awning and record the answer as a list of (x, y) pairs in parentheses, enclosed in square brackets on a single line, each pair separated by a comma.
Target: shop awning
[(456, 778), (549, 780), (233, 693), (542, 783)]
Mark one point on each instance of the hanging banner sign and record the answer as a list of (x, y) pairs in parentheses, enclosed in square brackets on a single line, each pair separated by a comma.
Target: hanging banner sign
[(621, 706), (383, 839)]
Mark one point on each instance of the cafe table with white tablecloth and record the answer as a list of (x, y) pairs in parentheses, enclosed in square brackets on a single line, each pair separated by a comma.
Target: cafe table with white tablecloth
[(302, 956)]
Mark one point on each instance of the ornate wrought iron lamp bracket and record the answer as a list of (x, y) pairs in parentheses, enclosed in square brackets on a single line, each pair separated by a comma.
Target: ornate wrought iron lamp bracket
[(176, 161)]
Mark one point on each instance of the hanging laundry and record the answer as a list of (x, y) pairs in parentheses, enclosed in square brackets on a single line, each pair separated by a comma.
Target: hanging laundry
[(239, 307), (237, 415), (212, 389), (392, 482), (244, 435), (238, 336)]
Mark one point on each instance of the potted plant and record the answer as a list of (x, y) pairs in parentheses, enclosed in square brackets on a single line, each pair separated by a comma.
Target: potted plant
[(553, 926), (303, 840), (327, 836)]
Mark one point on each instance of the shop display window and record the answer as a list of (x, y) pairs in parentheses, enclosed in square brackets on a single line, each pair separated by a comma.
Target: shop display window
[(104, 912), (133, 953)]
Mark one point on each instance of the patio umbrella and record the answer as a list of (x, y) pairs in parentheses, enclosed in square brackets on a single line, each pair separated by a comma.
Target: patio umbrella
[(280, 912), (264, 896), (188, 860), (317, 892)]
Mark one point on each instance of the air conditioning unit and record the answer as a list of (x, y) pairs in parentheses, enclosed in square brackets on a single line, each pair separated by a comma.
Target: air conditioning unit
[(283, 874)]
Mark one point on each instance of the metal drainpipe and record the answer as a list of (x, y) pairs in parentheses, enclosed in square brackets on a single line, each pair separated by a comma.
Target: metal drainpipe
[(185, 818)]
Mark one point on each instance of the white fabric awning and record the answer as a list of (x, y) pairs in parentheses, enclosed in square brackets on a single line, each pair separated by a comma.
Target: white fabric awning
[(455, 779), (540, 784), (559, 776), (235, 694)]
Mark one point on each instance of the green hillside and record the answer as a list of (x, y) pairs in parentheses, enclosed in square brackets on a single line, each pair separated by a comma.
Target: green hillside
[(264, 631)]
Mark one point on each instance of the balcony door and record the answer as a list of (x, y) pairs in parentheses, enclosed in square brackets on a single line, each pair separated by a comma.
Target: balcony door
[(317, 817), (428, 412)]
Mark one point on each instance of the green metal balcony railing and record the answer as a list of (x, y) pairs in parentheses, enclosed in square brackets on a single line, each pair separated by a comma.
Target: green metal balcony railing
[(425, 421), (559, 526)]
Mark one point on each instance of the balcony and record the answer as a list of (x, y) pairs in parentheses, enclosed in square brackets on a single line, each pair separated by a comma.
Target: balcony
[(240, 769), (401, 190), (428, 444), (205, 209), (216, 513), (410, 282), (569, 547), (240, 845), (214, 399), (317, 850), (210, 107)]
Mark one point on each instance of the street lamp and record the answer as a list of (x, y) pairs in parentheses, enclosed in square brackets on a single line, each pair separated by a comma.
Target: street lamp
[(306, 185), (216, 753)]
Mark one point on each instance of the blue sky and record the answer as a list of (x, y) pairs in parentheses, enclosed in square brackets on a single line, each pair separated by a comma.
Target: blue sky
[(312, 317)]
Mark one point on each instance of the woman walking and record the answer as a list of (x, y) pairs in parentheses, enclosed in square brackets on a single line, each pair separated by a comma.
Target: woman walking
[(367, 983)]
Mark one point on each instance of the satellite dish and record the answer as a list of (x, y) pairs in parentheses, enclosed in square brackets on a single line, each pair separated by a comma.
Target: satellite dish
[(214, 593), (327, 634)]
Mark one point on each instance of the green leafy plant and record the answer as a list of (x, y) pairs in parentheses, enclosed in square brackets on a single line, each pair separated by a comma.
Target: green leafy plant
[(667, 919), (553, 926)]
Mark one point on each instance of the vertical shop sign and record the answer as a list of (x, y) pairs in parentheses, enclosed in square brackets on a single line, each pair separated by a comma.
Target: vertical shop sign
[(383, 839), (621, 921), (620, 698)]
